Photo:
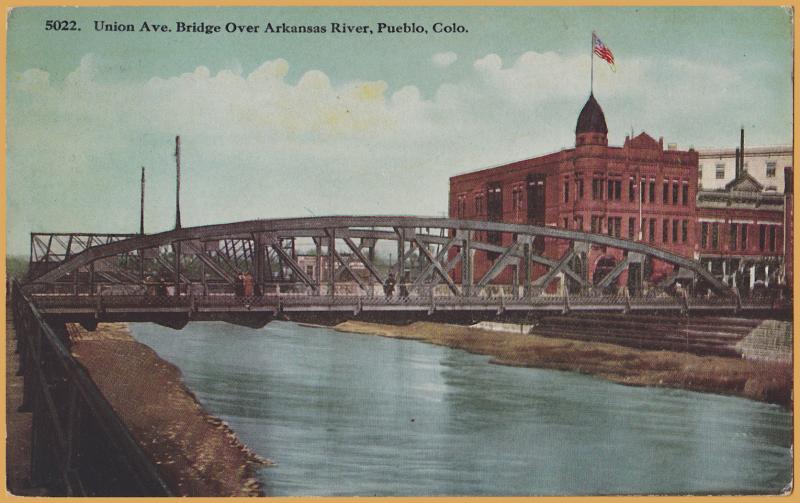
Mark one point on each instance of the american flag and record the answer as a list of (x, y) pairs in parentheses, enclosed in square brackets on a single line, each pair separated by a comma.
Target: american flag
[(602, 51)]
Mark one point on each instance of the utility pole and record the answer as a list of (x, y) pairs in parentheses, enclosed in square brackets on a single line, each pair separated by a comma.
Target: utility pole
[(178, 182), (141, 207)]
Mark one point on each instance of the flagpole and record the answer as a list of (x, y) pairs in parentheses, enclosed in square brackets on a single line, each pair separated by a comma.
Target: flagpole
[(591, 74)]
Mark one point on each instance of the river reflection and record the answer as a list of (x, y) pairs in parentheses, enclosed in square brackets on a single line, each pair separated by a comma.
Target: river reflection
[(346, 414)]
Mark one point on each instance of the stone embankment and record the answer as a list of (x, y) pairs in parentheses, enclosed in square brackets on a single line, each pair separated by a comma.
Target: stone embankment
[(596, 350), (770, 341), (196, 453)]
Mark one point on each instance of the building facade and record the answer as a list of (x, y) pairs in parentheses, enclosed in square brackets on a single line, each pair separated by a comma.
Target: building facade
[(642, 192), (717, 167), (743, 234), (638, 191)]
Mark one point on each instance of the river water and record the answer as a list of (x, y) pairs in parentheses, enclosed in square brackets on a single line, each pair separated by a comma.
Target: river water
[(347, 414)]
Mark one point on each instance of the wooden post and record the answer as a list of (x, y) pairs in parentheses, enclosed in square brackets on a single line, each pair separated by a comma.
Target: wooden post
[(141, 207), (178, 182)]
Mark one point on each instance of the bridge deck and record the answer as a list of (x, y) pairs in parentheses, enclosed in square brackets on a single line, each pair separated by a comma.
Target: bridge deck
[(138, 307)]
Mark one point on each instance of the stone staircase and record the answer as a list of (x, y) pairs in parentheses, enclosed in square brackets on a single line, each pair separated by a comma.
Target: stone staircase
[(769, 341), (718, 336)]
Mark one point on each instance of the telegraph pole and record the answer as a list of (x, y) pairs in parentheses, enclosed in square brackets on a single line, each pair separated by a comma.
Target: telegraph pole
[(178, 182), (177, 245), (141, 207)]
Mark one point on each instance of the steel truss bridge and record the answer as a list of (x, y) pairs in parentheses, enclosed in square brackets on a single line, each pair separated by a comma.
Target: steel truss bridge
[(91, 278), (81, 447)]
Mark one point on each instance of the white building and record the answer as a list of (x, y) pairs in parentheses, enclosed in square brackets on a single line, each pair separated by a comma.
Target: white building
[(717, 167)]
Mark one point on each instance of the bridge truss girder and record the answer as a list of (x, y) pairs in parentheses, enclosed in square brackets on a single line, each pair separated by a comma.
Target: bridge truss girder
[(260, 245)]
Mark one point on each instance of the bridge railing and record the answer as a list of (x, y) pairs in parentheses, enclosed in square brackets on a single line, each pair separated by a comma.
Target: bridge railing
[(79, 445), (215, 301)]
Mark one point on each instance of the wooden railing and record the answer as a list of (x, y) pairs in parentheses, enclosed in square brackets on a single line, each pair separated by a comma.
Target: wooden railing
[(79, 445)]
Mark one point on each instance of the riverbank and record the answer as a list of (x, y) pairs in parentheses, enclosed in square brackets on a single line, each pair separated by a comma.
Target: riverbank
[(762, 381), (196, 453)]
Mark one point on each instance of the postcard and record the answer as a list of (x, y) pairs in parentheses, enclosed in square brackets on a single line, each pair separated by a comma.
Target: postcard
[(388, 251)]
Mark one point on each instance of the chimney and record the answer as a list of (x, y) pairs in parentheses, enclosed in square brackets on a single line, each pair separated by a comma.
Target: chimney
[(741, 152)]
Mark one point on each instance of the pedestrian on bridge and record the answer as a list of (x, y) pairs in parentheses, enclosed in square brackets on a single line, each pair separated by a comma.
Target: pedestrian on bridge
[(404, 286), (247, 283), (238, 286), (388, 285)]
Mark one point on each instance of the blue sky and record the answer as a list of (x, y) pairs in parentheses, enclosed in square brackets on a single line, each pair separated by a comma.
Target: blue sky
[(277, 125)]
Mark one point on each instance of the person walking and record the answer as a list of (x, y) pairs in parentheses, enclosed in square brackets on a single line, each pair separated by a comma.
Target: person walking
[(404, 286), (247, 281), (238, 286), (388, 286)]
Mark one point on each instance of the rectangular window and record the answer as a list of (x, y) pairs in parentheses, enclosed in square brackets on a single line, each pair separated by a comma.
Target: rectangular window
[(597, 189), (310, 271), (566, 191), (684, 231), (631, 228), (664, 230), (704, 235), (744, 236), (665, 193), (772, 238), (720, 171), (674, 231), (642, 188), (614, 190), (566, 223), (632, 190), (652, 230), (595, 224), (579, 223), (652, 190), (685, 193), (614, 226), (714, 236), (675, 192), (770, 170), (579, 188), (762, 237), (536, 199), (734, 236)]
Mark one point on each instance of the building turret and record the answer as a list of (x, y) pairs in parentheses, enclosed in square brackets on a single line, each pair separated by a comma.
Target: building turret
[(591, 128)]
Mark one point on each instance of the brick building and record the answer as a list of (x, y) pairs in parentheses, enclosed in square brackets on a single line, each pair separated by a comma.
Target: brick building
[(744, 232), (638, 191)]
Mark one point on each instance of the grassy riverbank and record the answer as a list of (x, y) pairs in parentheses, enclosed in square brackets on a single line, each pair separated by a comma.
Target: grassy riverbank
[(767, 382), (196, 453)]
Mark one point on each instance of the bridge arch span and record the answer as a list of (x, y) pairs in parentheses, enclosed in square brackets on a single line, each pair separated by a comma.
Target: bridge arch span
[(438, 246)]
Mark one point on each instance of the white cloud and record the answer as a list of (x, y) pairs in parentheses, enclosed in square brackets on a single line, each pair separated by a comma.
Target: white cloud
[(444, 59), (257, 143)]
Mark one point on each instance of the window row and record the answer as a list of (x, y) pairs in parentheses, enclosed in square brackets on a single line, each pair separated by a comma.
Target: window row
[(737, 236), (674, 192), (672, 231)]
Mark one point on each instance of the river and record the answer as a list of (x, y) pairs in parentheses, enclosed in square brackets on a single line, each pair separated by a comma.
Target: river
[(346, 414)]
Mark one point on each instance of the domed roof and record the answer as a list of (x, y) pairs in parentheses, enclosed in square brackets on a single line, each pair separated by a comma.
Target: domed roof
[(591, 118)]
